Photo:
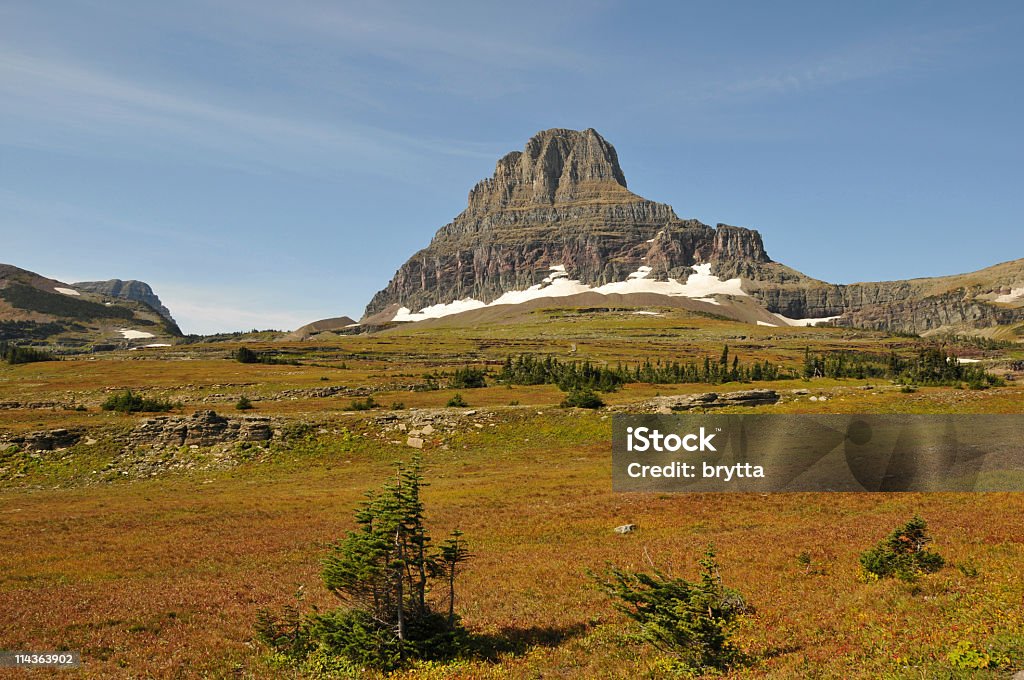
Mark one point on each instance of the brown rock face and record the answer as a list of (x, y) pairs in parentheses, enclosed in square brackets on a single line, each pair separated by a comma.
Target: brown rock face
[(561, 201)]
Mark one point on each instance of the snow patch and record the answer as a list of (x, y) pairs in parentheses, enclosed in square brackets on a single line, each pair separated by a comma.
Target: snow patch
[(701, 284), (646, 313), (966, 361), (1014, 295), (806, 322), (67, 291), (131, 334), (437, 311), (765, 323), (557, 271)]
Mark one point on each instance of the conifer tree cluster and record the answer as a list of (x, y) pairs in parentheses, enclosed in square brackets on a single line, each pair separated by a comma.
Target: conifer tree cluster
[(932, 365), (526, 369), (18, 354)]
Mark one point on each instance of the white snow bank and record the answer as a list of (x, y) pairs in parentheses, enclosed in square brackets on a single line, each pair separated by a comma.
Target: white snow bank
[(765, 323), (966, 361), (701, 284), (646, 313), (130, 334), (67, 291), (806, 322), (1014, 295)]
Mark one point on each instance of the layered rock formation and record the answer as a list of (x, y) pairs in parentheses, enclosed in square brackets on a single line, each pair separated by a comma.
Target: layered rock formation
[(139, 291), (202, 428), (561, 208), (562, 201)]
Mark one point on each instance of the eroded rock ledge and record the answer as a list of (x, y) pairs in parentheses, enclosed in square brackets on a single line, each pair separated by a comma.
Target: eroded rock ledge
[(202, 428)]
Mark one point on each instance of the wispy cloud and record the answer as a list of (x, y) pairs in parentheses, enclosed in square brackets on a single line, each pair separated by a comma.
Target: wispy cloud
[(447, 41), (85, 99), (864, 60)]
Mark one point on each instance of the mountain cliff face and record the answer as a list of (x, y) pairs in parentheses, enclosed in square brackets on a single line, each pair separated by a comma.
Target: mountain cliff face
[(562, 201), (128, 290), (561, 207)]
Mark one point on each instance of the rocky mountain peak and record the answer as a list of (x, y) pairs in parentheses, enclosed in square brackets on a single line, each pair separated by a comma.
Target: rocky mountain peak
[(556, 166), (140, 291), (561, 202)]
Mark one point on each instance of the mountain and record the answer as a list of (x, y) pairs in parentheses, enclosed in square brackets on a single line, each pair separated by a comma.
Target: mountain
[(557, 220), (128, 290), (339, 324), (37, 309)]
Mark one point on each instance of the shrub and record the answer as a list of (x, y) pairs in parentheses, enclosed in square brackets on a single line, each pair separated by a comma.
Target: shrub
[(363, 404), (397, 405), (244, 404), (244, 355), (127, 402), (964, 657), (457, 401), (902, 554), (582, 398), (382, 572), (693, 621), (467, 378)]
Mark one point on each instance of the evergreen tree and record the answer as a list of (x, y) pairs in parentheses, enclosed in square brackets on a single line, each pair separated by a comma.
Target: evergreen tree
[(382, 573)]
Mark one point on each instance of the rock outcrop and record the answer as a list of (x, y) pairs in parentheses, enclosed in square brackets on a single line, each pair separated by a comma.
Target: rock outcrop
[(688, 402), (202, 428), (45, 440), (127, 290)]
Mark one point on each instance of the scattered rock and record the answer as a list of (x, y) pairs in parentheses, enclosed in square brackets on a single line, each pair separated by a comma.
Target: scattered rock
[(625, 529), (414, 442), (685, 402)]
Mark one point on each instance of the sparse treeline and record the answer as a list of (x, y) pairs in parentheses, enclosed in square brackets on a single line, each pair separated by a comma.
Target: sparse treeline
[(17, 354), (244, 355), (526, 369), (931, 365)]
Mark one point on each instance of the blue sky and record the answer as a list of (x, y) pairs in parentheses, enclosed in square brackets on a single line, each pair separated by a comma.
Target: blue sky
[(265, 164)]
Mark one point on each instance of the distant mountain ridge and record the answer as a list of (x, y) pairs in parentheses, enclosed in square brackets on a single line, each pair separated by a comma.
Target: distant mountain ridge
[(558, 220), (131, 289), (37, 309)]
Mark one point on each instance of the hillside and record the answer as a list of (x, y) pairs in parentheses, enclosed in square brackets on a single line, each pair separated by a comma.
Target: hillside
[(40, 310)]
